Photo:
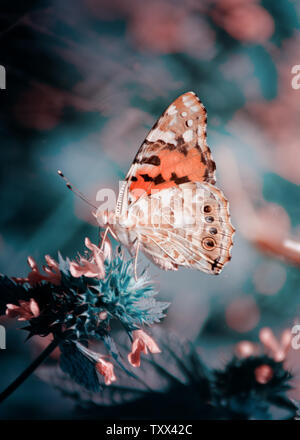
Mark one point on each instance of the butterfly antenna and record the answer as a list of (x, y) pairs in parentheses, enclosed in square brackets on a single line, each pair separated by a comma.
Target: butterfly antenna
[(75, 190)]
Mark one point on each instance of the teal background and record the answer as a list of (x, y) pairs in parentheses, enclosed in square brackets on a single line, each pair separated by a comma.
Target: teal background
[(85, 82)]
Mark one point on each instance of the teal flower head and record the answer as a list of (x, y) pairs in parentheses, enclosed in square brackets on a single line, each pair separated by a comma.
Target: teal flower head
[(79, 301)]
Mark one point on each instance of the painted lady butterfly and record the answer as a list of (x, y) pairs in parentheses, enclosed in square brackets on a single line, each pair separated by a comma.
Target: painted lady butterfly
[(168, 207)]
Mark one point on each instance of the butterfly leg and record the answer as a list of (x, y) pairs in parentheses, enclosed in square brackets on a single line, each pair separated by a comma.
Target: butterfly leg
[(107, 230), (136, 260)]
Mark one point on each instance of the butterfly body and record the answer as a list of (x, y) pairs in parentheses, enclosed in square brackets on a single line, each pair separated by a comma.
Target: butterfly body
[(169, 207)]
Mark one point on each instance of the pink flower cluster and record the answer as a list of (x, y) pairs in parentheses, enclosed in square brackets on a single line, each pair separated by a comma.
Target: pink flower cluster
[(24, 311), (276, 348), (52, 272), (142, 342), (91, 266)]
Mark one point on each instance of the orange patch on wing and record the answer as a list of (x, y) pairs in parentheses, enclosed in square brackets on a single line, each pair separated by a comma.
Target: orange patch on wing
[(148, 185), (176, 162), (192, 166), (171, 162)]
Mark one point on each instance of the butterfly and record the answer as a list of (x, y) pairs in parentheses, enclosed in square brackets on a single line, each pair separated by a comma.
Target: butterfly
[(168, 206)]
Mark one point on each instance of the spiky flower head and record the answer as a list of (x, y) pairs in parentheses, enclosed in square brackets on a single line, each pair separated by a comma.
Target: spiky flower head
[(79, 301)]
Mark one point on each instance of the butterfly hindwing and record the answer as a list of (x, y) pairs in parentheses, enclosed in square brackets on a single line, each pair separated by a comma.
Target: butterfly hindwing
[(188, 225)]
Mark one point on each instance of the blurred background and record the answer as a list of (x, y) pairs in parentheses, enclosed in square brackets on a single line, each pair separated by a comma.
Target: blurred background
[(85, 81)]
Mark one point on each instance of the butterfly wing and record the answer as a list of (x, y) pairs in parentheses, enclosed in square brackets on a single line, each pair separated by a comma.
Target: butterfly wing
[(175, 156), (188, 225), (175, 150)]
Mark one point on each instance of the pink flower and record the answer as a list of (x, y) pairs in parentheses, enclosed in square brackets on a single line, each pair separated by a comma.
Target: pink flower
[(275, 348), (278, 349), (263, 374), (106, 369), (92, 267), (246, 349), (244, 20), (141, 343), (34, 277), (24, 311)]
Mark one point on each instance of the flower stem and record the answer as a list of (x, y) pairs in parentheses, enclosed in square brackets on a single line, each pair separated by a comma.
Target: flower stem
[(29, 370)]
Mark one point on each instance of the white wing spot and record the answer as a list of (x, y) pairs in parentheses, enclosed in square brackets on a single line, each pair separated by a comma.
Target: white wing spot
[(200, 130), (188, 135), (190, 122), (188, 103), (166, 136), (172, 110), (173, 120), (187, 100), (184, 114), (195, 108)]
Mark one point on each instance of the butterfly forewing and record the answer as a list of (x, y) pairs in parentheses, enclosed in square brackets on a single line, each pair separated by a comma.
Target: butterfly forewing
[(175, 150)]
